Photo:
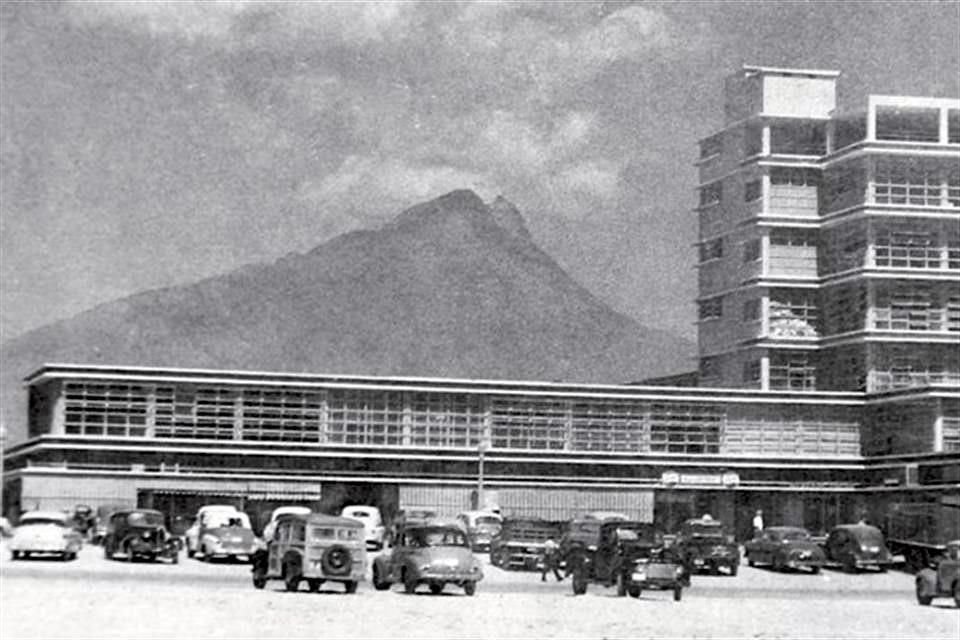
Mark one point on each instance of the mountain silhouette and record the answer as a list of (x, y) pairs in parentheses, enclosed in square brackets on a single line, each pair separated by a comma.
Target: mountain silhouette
[(452, 287)]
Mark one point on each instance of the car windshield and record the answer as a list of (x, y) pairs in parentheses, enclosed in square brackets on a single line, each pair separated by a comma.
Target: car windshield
[(239, 520), (795, 534), (706, 530), (438, 538), (42, 520), (869, 536), (141, 519), (358, 513), (488, 521)]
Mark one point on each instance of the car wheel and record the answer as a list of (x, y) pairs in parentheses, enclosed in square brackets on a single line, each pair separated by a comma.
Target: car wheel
[(956, 593), (922, 597), (750, 561), (621, 586), (259, 582), (190, 552), (107, 554), (733, 569), (409, 582), (849, 565), (350, 586), (470, 588), (814, 570), (313, 584), (14, 555), (677, 594), (291, 579), (579, 583), (634, 591), (436, 587), (129, 553), (174, 558), (378, 582)]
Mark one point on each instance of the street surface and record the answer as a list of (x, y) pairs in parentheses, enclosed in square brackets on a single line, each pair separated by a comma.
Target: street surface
[(95, 598)]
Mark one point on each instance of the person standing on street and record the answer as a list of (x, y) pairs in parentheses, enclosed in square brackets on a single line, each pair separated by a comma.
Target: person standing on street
[(550, 561), (758, 523)]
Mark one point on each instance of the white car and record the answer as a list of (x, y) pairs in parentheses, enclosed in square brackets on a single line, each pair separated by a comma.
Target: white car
[(192, 534), (373, 530), (45, 532), (280, 511)]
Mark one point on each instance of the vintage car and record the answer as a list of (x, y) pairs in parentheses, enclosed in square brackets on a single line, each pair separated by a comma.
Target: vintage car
[(857, 546), (313, 548), (521, 542), (207, 517), (630, 555), (374, 533), (84, 520), (944, 580), (47, 533), (481, 527), (227, 536), (705, 546), (139, 533), (436, 555), (785, 548)]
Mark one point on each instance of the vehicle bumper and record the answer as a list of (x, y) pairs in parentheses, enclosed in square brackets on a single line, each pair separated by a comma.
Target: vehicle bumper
[(450, 576)]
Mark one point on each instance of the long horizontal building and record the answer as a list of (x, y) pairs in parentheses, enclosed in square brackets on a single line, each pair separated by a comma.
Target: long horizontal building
[(177, 438)]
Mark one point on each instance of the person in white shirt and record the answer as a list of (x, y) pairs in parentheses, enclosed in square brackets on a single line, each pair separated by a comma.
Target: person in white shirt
[(758, 522)]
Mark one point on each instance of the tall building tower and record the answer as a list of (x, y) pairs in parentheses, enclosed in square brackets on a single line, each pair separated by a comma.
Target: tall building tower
[(829, 243)]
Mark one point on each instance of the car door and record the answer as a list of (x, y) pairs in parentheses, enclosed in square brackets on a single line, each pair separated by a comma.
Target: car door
[(399, 555)]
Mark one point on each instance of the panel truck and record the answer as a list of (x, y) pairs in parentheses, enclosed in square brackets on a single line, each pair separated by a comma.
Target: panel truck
[(521, 542), (919, 530)]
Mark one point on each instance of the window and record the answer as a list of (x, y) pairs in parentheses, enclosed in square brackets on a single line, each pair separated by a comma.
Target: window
[(751, 250), (711, 250), (906, 247), (902, 183), (752, 191), (951, 434), (794, 371), (528, 423), (711, 194), (751, 310), (712, 146), (794, 313), (794, 176), (793, 237), (712, 308), (678, 428)]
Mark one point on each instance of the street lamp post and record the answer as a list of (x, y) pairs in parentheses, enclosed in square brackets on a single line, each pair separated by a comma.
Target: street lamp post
[(481, 450)]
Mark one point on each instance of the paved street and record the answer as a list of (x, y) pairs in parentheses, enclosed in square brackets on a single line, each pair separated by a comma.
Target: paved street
[(95, 598)]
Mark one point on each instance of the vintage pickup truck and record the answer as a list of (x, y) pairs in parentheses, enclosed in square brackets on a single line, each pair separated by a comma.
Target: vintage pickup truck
[(521, 542)]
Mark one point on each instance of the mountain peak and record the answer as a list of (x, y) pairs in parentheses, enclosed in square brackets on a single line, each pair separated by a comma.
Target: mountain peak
[(509, 218)]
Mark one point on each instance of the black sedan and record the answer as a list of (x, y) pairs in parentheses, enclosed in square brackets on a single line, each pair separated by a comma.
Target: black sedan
[(785, 548)]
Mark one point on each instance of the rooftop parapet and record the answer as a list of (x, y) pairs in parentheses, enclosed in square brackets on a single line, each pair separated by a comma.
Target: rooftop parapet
[(779, 92)]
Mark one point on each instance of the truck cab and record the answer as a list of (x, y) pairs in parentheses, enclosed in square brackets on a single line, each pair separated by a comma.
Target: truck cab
[(942, 582)]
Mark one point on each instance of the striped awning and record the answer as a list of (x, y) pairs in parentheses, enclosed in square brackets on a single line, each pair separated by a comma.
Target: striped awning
[(252, 490)]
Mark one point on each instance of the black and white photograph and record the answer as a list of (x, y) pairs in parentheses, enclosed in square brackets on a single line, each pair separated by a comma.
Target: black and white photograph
[(479, 319)]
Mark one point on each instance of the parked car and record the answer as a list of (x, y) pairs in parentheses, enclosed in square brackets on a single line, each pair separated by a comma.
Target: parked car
[(192, 534), (315, 548), (944, 580), (481, 527), (857, 546), (604, 516), (271, 525), (374, 533), (139, 533), (705, 546), (521, 542), (47, 533), (226, 535), (436, 555), (632, 556), (785, 548), (84, 520)]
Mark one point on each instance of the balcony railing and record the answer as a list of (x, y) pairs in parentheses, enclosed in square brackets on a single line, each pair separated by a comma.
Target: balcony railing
[(886, 380)]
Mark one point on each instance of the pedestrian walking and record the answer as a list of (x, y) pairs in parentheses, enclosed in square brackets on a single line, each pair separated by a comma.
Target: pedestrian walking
[(550, 561)]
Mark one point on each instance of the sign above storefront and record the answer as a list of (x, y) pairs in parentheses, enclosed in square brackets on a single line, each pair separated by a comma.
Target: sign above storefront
[(726, 479)]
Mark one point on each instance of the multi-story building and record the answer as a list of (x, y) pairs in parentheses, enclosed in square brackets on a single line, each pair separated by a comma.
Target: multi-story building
[(829, 242)]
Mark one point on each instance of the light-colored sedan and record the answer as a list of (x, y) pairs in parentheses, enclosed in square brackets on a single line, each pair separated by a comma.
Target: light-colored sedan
[(45, 532), (374, 532)]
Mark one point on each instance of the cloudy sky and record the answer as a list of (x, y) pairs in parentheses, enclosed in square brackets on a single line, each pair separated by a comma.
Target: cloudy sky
[(149, 144)]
